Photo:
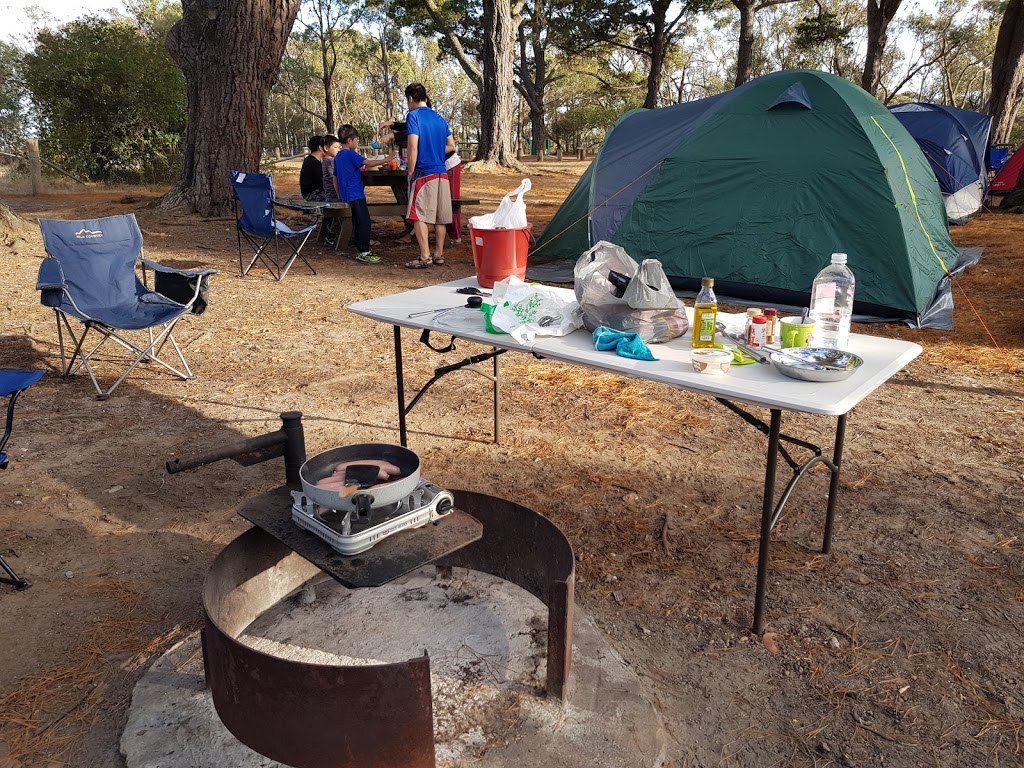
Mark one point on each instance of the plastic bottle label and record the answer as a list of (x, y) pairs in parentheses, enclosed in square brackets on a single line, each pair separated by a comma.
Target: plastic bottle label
[(824, 299)]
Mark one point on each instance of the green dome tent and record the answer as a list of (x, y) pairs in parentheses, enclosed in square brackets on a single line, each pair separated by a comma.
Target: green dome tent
[(757, 186)]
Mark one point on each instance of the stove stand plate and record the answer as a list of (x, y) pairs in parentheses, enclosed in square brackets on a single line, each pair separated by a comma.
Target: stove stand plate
[(386, 561)]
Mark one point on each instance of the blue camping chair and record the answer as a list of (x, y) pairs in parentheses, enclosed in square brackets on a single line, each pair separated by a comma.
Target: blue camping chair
[(12, 384), (89, 276), (260, 227)]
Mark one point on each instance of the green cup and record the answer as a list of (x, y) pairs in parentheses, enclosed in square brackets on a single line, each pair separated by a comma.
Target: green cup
[(488, 310), (796, 332)]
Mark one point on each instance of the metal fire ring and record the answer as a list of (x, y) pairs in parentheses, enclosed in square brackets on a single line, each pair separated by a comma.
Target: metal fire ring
[(378, 716)]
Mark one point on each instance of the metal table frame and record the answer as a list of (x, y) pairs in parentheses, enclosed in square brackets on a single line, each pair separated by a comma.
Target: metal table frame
[(771, 509)]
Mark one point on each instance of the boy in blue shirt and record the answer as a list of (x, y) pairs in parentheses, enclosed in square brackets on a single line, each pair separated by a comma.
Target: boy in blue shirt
[(349, 180)]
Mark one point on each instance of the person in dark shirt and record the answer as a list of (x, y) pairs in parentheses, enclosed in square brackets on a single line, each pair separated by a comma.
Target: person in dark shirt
[(311, 177)]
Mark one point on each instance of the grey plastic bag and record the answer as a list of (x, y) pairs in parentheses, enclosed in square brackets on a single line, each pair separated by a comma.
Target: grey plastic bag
[(648, 305)]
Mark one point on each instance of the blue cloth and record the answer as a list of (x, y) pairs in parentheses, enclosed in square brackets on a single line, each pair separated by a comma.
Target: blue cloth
[(625, 344), (350, 178), (433, 132)]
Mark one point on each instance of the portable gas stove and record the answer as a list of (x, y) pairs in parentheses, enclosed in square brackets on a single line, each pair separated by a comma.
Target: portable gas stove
[(348, 533)]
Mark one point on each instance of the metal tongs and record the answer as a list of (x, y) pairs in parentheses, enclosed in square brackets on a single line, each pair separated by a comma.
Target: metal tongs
[(735, 338)]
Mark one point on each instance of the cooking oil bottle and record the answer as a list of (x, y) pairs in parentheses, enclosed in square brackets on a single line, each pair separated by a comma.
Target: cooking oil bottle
[(705, 314)]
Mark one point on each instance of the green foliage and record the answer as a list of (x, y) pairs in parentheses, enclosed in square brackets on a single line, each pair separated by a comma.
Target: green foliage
[(12, 98), (110, 102)]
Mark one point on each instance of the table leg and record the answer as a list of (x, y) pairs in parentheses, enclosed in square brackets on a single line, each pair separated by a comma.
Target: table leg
[(400, 386), (497, 401), (767, 509), (833, 489)]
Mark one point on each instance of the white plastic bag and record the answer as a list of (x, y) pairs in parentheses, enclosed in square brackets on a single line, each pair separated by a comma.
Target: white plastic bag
[(511, 213), (648, 305), (526, 310)]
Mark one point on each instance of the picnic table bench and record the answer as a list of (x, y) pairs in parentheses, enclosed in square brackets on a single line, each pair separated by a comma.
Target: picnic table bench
[(343, 211)]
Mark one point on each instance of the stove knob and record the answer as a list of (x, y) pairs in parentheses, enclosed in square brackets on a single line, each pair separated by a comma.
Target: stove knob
[(445, 504)]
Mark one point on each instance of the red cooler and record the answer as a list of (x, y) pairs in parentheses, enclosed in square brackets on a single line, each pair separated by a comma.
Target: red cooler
[(498, 253)]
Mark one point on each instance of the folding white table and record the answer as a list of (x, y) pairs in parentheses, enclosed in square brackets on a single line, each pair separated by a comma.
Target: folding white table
[(756, 385)]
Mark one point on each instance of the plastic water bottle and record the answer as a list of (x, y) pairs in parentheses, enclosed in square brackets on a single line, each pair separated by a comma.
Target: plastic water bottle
[(832, 304)]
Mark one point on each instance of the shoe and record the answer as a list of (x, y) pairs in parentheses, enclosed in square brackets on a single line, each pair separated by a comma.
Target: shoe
[(368, 258), (417, 264), (438, 260)]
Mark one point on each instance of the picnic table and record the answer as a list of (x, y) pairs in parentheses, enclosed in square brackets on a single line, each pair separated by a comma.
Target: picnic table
[(751, 385), (397, 180)]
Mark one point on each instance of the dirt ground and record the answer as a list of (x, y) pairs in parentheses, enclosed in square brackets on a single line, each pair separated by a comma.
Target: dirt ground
[(904, 647)]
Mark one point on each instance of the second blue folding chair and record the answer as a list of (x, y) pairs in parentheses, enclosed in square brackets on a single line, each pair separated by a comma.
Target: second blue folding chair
[(12, 384), (259, 226)]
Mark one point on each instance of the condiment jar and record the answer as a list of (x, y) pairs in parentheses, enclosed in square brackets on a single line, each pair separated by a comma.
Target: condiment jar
[(752, 312), (772, 329), (758, 332)]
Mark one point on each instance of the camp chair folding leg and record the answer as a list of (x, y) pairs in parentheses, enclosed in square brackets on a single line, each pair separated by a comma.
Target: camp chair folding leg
[(272, 261), (12, 384), (90, 276), (147, 354)]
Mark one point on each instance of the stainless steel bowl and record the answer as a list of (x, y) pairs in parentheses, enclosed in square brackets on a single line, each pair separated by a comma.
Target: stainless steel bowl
[(816, 363)]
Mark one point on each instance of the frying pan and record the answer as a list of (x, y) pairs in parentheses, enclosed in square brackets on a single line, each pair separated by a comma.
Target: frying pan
[(362, 501)]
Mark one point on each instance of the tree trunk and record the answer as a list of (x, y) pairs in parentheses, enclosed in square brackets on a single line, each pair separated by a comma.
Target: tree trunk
[(496, 118), (659, 10), (745, 49), (1007, 73), (230, 53), (880, 15)]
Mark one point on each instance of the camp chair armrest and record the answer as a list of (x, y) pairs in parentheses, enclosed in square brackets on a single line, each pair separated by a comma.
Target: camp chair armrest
[(290, 207), (184, 272), (50, 282)]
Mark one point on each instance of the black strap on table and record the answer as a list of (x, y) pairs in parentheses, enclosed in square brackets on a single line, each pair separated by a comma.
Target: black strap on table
[(444, 370)]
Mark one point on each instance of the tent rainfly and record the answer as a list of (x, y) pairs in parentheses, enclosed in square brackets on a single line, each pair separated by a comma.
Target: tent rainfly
[(757, 186), (955, 142)]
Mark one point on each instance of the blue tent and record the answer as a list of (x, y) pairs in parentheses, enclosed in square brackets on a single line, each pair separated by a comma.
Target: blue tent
[(955, 142)]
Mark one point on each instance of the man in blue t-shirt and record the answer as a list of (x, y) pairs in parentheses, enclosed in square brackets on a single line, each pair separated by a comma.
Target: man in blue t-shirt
[(349, 178), (430, 198)]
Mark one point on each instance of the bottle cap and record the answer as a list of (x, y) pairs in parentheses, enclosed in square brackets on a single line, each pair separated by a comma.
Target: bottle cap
[(770, 312), (753, 311), (760, 319), (707, 282), (838, 258)]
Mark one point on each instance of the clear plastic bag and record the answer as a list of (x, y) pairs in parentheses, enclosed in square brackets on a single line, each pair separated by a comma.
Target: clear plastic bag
[(646, 305)]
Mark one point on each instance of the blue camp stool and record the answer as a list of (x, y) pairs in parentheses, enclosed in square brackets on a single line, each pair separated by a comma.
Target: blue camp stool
[(12, 384)]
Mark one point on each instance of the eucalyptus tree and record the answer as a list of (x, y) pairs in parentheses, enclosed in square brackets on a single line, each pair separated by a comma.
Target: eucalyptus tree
[(745, 45), (648, 28), (534, 65), (327, 24), (1007, 72), (953, 53), (481, 36), (230, 54), (880, 14)]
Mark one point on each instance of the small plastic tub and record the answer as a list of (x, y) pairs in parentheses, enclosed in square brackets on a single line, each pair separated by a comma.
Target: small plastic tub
[(713, 362)]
